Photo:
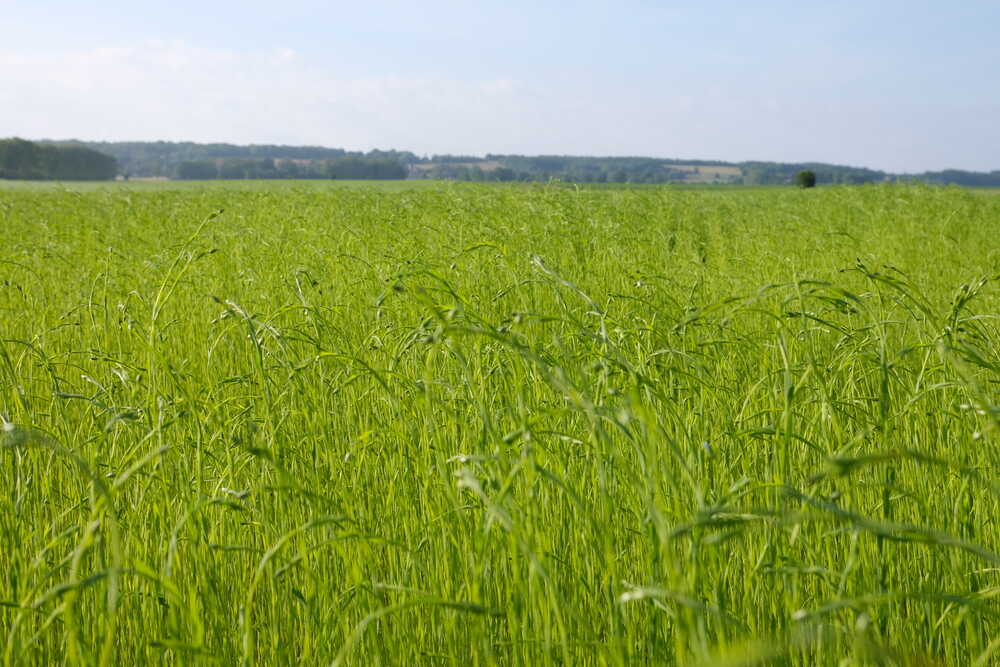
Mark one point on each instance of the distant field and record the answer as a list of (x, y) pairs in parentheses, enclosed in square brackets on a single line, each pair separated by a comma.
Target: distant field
[(485, 165), (418, 423), (698, 173), (709, 174)]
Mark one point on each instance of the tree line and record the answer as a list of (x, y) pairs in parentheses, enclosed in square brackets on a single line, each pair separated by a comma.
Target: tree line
[(188, 160), (30, 161), (550, 167), (639, 170), (959, 177), (346, 167), (780, 173)]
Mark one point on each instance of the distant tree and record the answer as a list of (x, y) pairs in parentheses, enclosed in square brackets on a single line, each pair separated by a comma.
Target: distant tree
[(805, 179), (20, 159), (361, 168), (197, 170), (288, 169), (76, 163), (230, 169), (503, 174), (957, 177)]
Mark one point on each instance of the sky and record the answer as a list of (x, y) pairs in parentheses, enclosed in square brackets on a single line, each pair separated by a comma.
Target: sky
[(899, 86)]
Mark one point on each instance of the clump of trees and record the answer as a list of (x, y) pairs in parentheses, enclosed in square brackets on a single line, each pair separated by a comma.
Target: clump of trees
[(29, 161), (805, 179)]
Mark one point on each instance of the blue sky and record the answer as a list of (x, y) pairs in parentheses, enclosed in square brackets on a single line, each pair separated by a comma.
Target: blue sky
[(901, 86)]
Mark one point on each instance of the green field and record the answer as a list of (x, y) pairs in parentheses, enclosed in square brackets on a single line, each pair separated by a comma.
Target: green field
[(238, 185), (517, 425)]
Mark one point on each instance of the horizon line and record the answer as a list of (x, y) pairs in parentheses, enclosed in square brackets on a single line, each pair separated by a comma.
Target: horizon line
[(484, 156)]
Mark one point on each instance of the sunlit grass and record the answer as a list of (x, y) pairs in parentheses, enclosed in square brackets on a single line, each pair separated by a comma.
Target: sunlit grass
[(158, 185), (499, 425)]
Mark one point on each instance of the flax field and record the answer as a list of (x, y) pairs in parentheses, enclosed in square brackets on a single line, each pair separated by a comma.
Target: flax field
[(499, 425)]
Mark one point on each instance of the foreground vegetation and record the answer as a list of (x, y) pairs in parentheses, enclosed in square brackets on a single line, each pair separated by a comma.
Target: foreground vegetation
[(499, 425)]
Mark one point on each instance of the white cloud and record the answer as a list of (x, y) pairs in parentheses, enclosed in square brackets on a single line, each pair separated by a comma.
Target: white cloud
[(176, 91)]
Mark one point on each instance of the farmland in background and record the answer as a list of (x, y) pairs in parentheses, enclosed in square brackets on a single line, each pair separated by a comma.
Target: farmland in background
[(192, 161), (434, 424)]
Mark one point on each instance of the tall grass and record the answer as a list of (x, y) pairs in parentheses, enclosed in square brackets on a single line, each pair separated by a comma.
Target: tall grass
[(485, 425)]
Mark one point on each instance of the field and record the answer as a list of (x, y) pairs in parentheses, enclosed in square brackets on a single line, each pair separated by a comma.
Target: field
[(515, 425), (710, 173), (485, 165)]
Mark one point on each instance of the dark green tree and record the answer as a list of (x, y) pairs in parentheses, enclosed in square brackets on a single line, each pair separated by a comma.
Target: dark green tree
[(197, 170), (20, 159), (805, 179)]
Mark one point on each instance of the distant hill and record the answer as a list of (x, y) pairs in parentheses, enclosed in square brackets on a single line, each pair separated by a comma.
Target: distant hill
[(187, 160)]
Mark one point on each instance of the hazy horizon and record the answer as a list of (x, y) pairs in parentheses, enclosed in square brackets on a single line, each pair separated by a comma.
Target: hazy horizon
[(901, 87), (679, 158)]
